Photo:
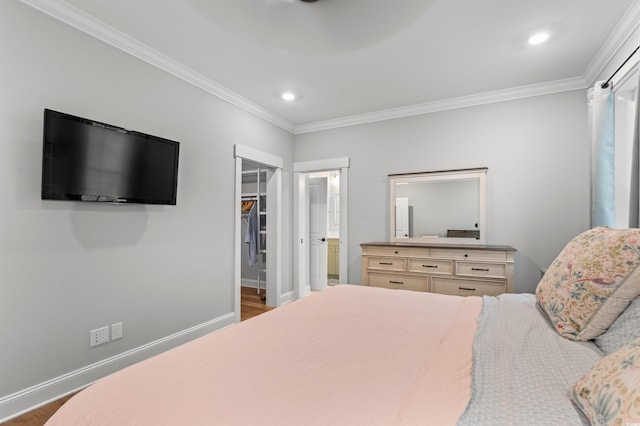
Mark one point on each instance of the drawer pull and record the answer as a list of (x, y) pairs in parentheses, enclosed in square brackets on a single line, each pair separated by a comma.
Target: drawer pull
[(480, 269), (429, 266), (385, 263), (395, 282), (466, 288)]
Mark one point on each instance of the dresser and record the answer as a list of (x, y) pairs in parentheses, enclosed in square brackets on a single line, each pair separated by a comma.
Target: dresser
[(333, 257), (464, 270)]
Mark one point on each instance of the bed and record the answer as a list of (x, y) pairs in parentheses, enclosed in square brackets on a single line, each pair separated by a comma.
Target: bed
[(354, 355)]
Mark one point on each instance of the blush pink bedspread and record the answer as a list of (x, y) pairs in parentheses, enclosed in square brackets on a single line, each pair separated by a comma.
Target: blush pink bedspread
[(350, 355)]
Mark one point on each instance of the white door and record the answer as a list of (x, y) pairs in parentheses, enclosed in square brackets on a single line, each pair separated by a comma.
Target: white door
[(402, 217), (318, 233)]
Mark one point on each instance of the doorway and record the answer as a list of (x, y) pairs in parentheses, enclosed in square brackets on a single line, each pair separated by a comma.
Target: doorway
[(272, 236), (324, 229), (320, 222), (254, 228)]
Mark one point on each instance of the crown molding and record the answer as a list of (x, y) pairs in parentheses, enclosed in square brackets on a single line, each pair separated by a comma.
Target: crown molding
[(447, 104), (86, 23), (624, 29), (74, 17)]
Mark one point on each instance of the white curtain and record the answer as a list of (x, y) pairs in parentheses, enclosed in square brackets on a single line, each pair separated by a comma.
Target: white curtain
[(634, 187), (601, 127)]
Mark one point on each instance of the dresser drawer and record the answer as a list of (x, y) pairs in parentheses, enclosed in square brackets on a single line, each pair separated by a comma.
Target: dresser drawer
[(396, 251), (431, 266), (471, 254), (404, 282), (490, 270), (387, 263), (458, 269), (463, 287)]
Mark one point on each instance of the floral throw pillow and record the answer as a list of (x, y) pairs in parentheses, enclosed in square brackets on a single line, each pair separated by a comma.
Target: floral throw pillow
[(609, 394), (591, 282)]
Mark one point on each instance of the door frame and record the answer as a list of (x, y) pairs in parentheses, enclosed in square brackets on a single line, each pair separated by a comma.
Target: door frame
[(319, 282), (274, 236), (301, 171)]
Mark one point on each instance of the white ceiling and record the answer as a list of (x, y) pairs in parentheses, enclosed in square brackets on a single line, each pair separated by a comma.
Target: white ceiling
[(355, 61)]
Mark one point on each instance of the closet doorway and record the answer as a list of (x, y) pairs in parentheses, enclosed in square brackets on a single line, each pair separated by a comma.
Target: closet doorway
[(321, 226), (254, 227), (258, 204)]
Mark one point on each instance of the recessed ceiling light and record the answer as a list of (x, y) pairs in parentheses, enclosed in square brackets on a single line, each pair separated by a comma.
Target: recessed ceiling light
[(288, 96), (538, 38)]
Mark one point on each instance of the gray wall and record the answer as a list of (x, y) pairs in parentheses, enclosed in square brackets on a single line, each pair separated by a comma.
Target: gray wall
[(536, 150), (69, 267)]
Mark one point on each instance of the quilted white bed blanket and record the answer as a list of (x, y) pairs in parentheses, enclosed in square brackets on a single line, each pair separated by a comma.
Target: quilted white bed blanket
[(523, 368), (350, 355)]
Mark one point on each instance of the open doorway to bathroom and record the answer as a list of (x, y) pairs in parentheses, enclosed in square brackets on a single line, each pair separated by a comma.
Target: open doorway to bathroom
[(324, 228), (320, 197)]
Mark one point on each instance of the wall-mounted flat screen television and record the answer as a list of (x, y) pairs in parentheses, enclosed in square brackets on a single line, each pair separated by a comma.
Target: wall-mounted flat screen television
[(85, 160)]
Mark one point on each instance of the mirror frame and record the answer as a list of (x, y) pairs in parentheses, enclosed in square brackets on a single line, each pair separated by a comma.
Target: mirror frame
[(439, 176)]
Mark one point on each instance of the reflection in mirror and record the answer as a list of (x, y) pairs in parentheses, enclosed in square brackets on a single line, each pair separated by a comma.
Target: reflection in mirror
[(460, 197), (438, 207)]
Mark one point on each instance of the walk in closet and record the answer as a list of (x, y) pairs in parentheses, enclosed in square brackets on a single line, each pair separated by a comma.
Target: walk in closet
[(254, 227)]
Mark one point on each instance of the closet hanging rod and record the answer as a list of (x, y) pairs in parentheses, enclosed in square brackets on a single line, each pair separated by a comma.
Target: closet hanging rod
[(606, 83)]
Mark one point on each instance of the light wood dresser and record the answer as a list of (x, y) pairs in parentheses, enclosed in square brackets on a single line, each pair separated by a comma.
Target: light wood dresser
[(465, 270), (333, 257)]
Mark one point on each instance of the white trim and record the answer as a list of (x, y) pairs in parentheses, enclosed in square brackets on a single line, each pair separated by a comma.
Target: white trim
[(274, 236), (344, 225), (321, 165), (289, 296), (249, 282), (446, 104), (76, 18), (35, 396), (626, 73), (301, 212), (88, 24), (256, 156), (237, 248), (300, 229), (625, 28)]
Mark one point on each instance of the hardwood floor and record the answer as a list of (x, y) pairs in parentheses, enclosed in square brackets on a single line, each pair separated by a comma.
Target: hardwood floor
[(38, 416), (251, 305)]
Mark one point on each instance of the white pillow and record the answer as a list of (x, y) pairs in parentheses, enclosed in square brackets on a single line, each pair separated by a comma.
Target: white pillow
[(624, 330)]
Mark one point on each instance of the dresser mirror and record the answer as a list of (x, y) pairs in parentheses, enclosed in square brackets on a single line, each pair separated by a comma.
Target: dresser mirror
[(438, 207)]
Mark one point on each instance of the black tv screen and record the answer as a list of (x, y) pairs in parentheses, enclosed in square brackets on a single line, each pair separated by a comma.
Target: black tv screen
[(85, 160)]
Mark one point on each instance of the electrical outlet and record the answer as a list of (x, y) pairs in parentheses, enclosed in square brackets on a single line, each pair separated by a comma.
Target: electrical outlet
[(116, 331), (98, 336)]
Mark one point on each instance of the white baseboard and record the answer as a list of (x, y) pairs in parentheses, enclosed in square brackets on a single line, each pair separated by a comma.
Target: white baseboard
[(284, 298), (304, 291), (288, 297), (33, 397), (252, 283)]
